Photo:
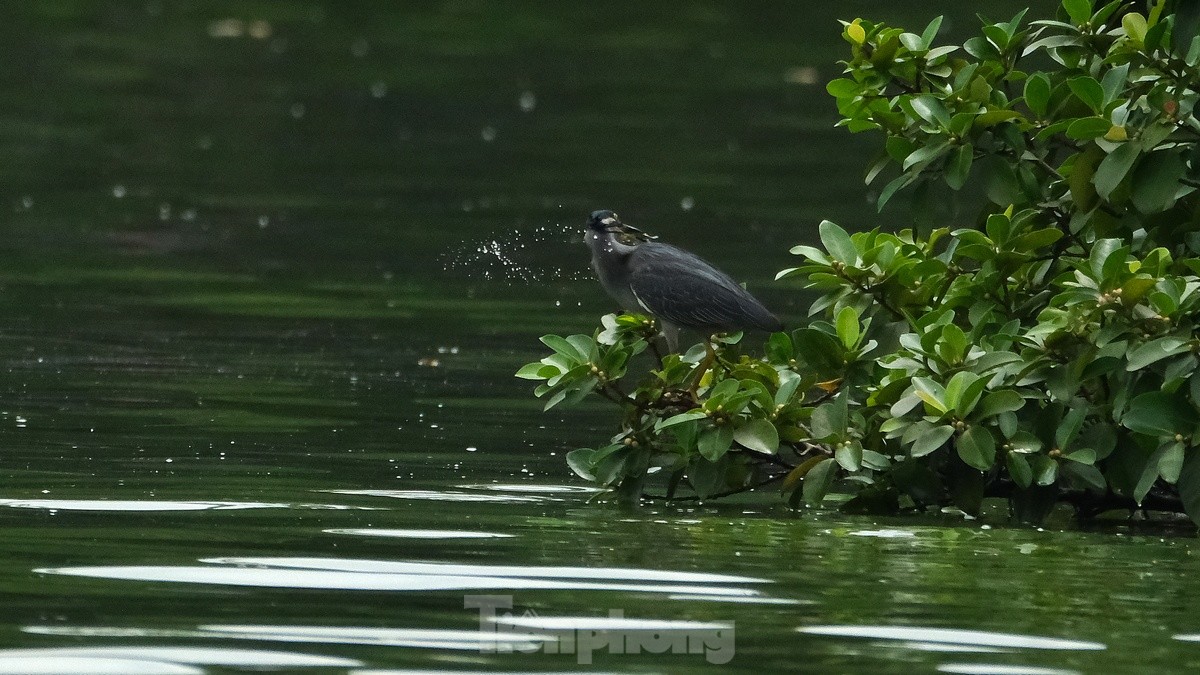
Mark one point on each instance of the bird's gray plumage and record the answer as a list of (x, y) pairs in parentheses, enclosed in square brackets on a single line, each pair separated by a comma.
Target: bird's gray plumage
[(679, 288)]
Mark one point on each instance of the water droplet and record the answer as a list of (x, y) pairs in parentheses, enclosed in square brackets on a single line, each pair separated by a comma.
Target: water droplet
[(260, 30), (263, 222), (360, 48), (527, 101), (297, 110), (226, 28), (488, 134), (687, 203), (118, 191), (379, 89)]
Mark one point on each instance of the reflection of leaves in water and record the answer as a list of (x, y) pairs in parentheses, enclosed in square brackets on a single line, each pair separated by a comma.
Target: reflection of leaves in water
[(517, 256)]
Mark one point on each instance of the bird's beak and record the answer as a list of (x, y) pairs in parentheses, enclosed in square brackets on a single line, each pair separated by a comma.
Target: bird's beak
[(625, 228)]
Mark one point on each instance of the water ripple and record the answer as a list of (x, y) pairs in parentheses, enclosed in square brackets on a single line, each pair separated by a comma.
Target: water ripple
[(416, 534), (377, 575), (975, 638)]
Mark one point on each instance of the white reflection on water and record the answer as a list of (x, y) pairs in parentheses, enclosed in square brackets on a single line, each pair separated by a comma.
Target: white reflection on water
[(378, 671), (884, 534), (606, 623), (89, 665), (522, 571), (759, 600), (156, 660), (421, 638), (535, 488), (377, 575), (447, 496), (1000, 669), (138, 505), (977, 638), (416, 534)]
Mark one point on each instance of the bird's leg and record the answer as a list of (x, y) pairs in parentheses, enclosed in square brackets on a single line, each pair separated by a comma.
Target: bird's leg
[(671, 333), (703, 367)]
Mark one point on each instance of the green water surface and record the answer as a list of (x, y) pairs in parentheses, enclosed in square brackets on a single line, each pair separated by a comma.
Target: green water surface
[(257, 410)]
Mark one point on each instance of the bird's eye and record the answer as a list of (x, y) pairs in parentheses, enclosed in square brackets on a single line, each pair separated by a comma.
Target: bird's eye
[(608, 221)]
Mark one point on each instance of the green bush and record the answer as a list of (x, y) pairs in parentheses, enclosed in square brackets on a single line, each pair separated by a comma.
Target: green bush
[(1043, 351)]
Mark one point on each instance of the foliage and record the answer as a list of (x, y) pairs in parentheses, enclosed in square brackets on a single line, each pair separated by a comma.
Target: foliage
[(1043, 351)]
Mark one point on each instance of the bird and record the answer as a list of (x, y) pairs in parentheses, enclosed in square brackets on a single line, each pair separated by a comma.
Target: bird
[(678, 288)]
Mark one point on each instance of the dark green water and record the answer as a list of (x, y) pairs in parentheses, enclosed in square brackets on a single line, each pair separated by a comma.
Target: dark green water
[(256, 406)]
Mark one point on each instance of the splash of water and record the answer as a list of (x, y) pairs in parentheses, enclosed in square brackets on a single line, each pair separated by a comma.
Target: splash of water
[(518, 256)]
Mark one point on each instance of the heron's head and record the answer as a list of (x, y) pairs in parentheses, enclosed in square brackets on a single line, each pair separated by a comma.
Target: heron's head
[(607, 222)]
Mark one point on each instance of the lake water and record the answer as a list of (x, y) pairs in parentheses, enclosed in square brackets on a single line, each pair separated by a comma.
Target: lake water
[(269, 268)]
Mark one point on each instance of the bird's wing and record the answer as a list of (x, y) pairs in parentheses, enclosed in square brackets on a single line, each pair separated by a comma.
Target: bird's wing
[(684, 289)]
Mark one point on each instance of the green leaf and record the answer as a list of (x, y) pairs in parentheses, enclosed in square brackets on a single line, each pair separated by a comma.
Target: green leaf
[(1156, 181), (997, 402), (529, 371), (925, 153), (894, 186), (822, 352), (1101, 438), (931, 110), (838, 242), (931, 393), (849, 456), (844, 88), (1113, 82), (789, 384), (930, 32), (1045, 470), (977, 447), (585, 346), (1088, 90), (758, 435), (1156, 350), (818, 480), (1102, 250), (1089, 475), (563, 347), (780, 348), (1114, 168), (959, 166), (715, 442), (1080, 11), (1087, 128), (1149, 475), (1189, 485), (931, 440), (1018, 469), (680, 419), (580, 461), (708, 478), (1158, 413), (1135, 27), (1170, 465), (1082, 456), (1037, 93), (1069, 428), (847, 327), (829, 419), (957, 387)]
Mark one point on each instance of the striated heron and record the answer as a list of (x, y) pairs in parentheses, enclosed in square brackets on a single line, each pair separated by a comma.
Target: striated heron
[(678, 288)]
